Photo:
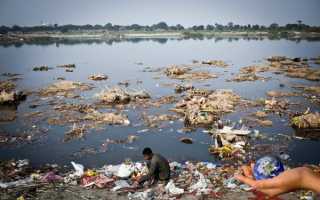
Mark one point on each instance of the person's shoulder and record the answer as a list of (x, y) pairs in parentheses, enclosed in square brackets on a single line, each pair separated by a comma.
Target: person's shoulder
[(158, 156)]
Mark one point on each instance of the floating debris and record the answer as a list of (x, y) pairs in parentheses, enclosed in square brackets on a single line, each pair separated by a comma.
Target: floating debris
[(110, 118), (98, 77), (205, 107), (75, 133), (261, 114), (186, 140), (295, 68), (306, 121), (183, 88), (42, 68), (11, 98), (120, 96), (155, 120), (218, 63), (185, 73), (274, 93), (249, 73), (64, 88), (7, 86), (67, 66)]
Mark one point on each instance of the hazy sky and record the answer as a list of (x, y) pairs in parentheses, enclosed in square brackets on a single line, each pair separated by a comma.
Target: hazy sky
[(147, 12)]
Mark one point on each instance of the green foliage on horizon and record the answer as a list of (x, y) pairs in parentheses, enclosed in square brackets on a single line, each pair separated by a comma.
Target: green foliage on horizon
[(162, 26)]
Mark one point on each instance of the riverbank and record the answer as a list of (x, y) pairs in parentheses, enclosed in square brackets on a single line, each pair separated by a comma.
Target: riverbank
[(20, 38), (189, 181)]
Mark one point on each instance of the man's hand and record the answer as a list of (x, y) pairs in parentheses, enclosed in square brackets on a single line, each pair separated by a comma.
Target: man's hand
[(135, 184), (289, 180)]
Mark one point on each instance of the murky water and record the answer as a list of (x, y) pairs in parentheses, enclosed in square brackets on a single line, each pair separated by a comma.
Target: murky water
[(119, 62)]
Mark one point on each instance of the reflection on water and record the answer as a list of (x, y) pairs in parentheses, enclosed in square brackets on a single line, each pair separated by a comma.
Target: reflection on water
[(118, 59), (215, 39)]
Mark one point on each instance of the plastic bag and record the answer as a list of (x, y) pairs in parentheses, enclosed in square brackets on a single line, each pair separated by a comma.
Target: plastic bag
[(146, 195), (202, 183), (172, 189), (78, 167), (125, 171), (120, 184), (16, 183)]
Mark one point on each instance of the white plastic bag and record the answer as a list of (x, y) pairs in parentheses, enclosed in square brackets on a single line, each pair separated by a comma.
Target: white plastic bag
[(125, 171), (172, 189), (79, 168), (119, 185), (146, 195), (201, 185)]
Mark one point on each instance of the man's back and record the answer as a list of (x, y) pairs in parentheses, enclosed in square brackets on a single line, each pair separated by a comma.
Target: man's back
[(160, 166)]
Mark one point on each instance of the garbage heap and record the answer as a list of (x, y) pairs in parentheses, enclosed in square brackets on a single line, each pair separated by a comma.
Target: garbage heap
[(202, 178), (204, 107)]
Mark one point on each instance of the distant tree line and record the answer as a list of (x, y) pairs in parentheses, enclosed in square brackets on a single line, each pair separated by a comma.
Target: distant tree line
[(161, 26)]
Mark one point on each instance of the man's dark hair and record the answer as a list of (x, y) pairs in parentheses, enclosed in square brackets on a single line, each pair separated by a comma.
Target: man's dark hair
[(147, 151)]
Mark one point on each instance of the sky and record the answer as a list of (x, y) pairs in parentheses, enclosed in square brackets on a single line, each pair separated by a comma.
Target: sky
[(148, 12)]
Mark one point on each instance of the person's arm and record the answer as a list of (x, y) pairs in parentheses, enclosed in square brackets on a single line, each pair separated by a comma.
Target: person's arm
[(150, 174), (290, 180)]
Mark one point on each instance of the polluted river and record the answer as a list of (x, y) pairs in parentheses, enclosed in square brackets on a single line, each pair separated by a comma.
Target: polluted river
[(222, 101)]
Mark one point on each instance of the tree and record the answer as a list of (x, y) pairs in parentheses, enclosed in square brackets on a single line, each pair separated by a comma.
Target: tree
[(160, 25), (108, 26), (209, 27), (274, 26), (179, 27)]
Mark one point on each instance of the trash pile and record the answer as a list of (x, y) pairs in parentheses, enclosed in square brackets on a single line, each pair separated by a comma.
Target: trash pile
[(186, 73), (8, 95), (230, 143), (109, 118), (306, 121), (249, 73), (274, 93), (64, 88), (310, 92), (204, 107), (118, 95), (183, 88), (294, 67), (11, 98), (276, 105), (83, 117), (197, 179), (155, 120)]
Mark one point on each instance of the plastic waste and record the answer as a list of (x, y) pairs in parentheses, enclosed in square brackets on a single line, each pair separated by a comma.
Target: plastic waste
[(16, 183), (78, 167), (146, 195), (125, 171), (172, 189), (51, 177), (119, 185), (229, 130), (201, 185), (111, 170)]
